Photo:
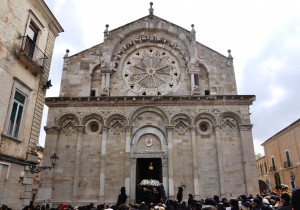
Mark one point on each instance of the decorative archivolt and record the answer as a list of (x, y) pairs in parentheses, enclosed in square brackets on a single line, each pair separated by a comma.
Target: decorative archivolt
[(231, 114), (181, 122), (154, 109), (150, 38), (74, 116), (117, 122)]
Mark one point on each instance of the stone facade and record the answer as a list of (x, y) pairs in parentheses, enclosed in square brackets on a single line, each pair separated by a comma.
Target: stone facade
[(27, 33), (282, 154), (149, 94)]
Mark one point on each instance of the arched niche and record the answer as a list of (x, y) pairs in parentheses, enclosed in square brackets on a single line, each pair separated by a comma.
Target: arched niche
[(149, 109)]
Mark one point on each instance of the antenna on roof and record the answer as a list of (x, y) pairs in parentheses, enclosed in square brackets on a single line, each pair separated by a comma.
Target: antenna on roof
[(151, 9)]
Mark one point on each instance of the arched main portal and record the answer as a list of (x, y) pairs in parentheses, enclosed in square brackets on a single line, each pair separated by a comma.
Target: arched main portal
[(148, 158)]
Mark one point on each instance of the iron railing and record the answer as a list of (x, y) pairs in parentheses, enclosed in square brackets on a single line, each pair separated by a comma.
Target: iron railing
[(287, 164), (32, 52), (272, 168)]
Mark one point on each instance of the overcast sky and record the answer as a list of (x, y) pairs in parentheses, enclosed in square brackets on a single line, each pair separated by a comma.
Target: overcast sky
[(263, 35)]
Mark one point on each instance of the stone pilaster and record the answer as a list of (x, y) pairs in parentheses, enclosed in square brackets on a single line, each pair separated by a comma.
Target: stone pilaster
[(133, 178), (195, 163), (52, 134), (102, 166), (128, 130), (251, 184), (170, 189), (220, 161), (80, 130)]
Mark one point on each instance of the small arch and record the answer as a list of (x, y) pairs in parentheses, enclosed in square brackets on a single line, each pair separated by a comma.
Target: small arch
[(183, 116), (116, 116), (230, 114), (62, 118), (149, 109), (149, 129), (94, 67), (92, 116), (207, 116)]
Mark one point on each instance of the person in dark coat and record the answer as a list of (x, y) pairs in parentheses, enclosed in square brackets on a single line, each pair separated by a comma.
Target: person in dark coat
[(234, 203), (179, 194), (191, 201), (295, 199), (286, 202), (122, 197)]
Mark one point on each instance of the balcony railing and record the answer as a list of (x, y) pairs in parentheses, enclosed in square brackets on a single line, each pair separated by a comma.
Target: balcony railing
[(272, 168), (287, 164), (31, 55)]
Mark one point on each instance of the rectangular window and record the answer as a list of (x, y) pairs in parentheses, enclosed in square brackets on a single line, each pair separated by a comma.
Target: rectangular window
[(288, 160), (273, 164), (32, 35), (16, 111), (93, 93), (16, 114)]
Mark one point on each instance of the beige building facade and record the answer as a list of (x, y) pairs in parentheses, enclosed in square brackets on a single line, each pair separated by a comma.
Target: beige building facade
[(262, 172), (27, 33), (282, 154), (148, 95)]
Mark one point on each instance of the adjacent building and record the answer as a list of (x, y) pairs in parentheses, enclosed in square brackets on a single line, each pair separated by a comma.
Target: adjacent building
[(149, 102), (282, 155), (27, 33), (262, 172)]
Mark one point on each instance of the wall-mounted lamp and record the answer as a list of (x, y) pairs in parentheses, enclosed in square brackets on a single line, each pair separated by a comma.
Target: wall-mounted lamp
[(47, 85), (22, 174), (37, 169)]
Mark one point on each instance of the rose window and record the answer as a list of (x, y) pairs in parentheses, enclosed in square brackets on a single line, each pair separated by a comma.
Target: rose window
[(151, 72)]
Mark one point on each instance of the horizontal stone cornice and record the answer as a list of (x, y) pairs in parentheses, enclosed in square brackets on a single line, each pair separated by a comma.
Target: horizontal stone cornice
[(149, 100)]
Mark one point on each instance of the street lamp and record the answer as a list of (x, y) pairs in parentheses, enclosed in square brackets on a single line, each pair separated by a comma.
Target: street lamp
[(37, 169), (293, 177)]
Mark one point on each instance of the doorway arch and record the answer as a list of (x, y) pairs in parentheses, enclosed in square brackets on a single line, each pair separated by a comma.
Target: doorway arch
[(159, 156)]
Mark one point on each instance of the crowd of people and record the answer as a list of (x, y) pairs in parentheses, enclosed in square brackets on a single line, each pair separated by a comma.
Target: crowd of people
[(264, 201)]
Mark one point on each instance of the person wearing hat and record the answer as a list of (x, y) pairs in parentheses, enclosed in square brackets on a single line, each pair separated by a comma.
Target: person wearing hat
[(286, 202)]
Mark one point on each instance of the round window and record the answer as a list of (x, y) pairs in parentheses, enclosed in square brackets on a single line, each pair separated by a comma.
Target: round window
[(204, 127), (92, 126)]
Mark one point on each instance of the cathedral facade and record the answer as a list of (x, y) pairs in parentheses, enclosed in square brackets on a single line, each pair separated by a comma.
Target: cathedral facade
[(150, 102)]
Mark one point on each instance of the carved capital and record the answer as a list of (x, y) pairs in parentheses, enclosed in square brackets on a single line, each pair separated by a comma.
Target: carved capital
[(245, 127), (169, 128), (128, 128), (80, 129), (104, 128), (164, 162), (52, 130)]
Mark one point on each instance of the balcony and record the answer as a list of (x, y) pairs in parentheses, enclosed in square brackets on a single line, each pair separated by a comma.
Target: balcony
[(31, 55), (272, 168), (287, 164)]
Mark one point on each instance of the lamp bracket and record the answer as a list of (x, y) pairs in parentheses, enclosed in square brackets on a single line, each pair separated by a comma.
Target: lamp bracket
[(37, 169)]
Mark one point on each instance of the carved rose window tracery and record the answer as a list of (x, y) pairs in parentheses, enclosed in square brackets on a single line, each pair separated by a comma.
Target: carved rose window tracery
[(151, 71)]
